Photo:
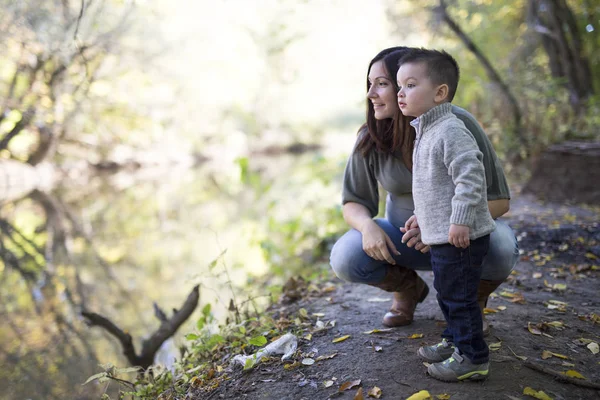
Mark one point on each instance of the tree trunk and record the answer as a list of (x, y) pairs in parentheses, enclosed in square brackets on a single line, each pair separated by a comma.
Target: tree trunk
[(554, 20), (569, 171), (442, 12)]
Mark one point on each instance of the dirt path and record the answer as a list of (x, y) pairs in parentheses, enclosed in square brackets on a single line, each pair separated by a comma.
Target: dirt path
[(559, 245)]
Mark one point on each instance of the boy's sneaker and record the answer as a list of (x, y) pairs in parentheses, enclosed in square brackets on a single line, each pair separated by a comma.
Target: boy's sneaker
[(458, 368), (438, 352)]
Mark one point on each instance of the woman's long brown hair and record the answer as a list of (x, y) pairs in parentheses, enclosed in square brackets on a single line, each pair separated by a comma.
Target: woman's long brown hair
[(391, 135)]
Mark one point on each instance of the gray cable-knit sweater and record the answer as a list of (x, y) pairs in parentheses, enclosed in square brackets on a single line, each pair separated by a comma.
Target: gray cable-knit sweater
[(448, 178)]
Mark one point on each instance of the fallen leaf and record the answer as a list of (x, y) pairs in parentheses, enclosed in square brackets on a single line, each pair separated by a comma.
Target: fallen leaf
[(560, 356), (443, 396), (375, 392), (308, 361), (308, 337), (422, 395), (321, 358), (318, 314), (501, 308), (535, 394), (546, 355), (378, 348), (377, 331), (567, 364), (574, 374), (537, 275), (505, 293), (425, 363), (293, 365), (328, 384), (495, 346), (558, 302), (340, 339), (349, 385), (591, 256), (303, 313), (559, 286), (489, 311), (556, 324), (533, 329), (593, 347), (378, 300), (359, 395), (415, 336)]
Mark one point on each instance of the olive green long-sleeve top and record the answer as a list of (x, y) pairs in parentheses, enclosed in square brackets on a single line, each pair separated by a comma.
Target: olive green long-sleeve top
[(362, 175)]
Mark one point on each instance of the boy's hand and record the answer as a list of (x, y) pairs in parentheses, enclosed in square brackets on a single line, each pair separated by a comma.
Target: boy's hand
[(459, 236)]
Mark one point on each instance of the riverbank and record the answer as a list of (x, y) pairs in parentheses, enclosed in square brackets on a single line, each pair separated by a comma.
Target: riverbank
[(545, 316)]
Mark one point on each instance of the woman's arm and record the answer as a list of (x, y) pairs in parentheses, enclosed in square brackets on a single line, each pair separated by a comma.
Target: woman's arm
[(376, 243), (498, 207)]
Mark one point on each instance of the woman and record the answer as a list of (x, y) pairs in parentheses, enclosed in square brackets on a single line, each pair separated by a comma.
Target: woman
[(381, 252)]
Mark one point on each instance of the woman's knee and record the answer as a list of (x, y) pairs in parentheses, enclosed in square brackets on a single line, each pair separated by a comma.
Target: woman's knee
[(502, 255), (342, 258)]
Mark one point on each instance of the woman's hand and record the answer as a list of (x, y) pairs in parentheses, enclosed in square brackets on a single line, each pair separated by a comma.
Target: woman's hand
[(376, 243), (458, 236), (412, 235)]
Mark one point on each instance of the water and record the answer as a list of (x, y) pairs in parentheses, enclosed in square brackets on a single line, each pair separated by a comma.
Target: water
[(136, 239)]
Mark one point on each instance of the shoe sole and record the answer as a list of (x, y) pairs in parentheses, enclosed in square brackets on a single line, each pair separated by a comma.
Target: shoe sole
[(471, 376)]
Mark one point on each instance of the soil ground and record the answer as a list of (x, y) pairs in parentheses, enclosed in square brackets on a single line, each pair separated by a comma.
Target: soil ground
[(559, 245)]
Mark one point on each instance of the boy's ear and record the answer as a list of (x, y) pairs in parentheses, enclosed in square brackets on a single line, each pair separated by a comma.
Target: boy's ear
[(441, 93)]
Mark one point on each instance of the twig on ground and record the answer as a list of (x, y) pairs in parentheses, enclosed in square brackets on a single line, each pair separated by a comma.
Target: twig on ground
[(561, 377)]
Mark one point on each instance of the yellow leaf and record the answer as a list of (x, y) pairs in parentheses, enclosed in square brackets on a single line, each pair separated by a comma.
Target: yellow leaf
[(556, 324), (415, 336), (295, 364), (504, 293), (377, 331), (375, 392), (533, 329), (558, 302), (349, 385), (422, 395), (359, 395), (443, 396), (318, 314), (489, 311), (308, 337), (340, 339), (559, 286), (501, 308), (495, 346), (591, 256), (593, 347), (538, 395), (560, 356), (303, 313), (574, 374)]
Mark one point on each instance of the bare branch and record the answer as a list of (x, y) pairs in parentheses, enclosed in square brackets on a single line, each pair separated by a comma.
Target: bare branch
[(150, 346), (79, 20)]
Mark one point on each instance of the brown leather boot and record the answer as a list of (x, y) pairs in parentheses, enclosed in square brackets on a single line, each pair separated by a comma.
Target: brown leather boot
[(408, 290), (483, 292)]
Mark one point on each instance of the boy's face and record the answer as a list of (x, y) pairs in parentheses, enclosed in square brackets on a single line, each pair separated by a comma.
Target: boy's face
[(417, 93)]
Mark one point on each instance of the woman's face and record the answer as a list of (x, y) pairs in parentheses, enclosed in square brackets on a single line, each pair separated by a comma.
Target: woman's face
[(382, 92)]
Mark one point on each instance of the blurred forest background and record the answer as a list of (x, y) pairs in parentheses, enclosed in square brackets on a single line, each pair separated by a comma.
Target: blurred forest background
[(150, 146)]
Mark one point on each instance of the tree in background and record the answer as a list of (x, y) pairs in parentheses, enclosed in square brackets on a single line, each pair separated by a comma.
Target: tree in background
[(531, 70), (54, 52)]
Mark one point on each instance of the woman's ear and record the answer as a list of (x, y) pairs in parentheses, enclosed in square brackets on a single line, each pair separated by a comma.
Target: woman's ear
[(441, 94)]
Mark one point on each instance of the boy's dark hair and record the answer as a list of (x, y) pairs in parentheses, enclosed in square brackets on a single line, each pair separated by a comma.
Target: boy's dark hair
[(441, 67)]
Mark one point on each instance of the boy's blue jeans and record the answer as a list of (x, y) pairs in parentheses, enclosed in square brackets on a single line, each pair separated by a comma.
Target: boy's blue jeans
[(457, 273)]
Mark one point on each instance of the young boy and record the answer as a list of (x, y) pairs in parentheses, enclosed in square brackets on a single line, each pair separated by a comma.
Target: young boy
[(449, 192)]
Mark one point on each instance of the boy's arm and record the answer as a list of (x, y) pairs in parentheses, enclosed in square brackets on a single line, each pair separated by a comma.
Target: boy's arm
[(464, 162)]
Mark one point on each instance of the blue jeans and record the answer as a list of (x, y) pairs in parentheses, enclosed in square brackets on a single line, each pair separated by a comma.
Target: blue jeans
[(352, 264), (456, 276)]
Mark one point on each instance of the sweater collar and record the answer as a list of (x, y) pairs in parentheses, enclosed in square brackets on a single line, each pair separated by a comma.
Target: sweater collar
[(431, 116)]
